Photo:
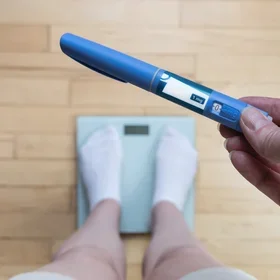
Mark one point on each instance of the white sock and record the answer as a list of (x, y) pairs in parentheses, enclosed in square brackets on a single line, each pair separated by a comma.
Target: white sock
[(176, 164), (100, 164)]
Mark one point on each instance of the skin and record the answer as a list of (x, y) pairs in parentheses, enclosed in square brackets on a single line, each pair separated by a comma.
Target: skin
[(256, 153)]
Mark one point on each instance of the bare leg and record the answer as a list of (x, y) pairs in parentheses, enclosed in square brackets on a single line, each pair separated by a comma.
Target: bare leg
[(94, 251), (174, 251)]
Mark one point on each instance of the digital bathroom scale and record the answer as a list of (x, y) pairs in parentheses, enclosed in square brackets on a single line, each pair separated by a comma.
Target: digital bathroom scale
[(140, 136)]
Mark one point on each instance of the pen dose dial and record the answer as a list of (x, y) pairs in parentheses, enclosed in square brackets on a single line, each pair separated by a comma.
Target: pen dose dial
[(225, 111)]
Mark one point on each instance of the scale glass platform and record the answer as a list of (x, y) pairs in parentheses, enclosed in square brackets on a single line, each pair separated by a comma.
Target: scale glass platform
[(140, 136)]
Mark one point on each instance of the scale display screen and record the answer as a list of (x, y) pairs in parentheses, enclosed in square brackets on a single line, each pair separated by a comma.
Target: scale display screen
[(136, 130)]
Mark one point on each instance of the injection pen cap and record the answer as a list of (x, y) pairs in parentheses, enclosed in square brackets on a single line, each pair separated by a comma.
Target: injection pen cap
[(107, 61)]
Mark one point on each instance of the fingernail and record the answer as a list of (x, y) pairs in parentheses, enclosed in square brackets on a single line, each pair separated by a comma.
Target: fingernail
[(218, 126), (253, 118), (230, 155), (225, 143)]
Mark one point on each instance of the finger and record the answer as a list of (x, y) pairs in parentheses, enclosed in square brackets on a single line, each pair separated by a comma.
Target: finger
[(227, 132), (270, 105), (239, 143), (262, 134), (265, 179)]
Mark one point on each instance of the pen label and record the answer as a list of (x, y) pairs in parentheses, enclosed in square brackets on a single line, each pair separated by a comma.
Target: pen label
[(197, 99), (188, 93)]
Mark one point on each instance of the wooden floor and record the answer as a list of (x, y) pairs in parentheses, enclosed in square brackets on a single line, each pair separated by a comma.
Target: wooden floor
[(232, 46)]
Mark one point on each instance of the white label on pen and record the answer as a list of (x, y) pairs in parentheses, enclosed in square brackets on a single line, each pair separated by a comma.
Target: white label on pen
[(184, 92)]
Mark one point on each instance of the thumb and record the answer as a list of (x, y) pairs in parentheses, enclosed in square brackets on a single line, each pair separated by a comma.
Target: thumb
[(261, 133)]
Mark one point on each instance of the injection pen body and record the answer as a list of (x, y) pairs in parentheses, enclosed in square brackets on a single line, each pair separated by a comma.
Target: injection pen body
[(124, 68)]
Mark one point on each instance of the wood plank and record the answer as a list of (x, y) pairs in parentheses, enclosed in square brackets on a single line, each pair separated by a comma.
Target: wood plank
[(109, 12), (23, 38), (135, 247), (7, 137), (249, 227), (37, 225), (178, 63), (56, 244), (230, 13), (52, 120), (176, 40), (249, 252), (73, 201), (216, 174), (273, 273), (33, 119), (217, 150), (12, 270), (134, 271), (21, 91), (174, 110), (243, 201), (88, 93), (46, 73), (6, 149), (24, 199), (31, 146), (38, 60), (125, 39), (259, 272), (44, 65), (37, 172), (4, 277), (257, 41), (107, 111), (238, 68), (24, 252)]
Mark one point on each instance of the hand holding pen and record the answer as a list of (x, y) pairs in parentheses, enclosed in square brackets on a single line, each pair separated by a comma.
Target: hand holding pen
[(256, 152)]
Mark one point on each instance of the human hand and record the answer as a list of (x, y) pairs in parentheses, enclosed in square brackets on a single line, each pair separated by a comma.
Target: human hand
[(256, 152)]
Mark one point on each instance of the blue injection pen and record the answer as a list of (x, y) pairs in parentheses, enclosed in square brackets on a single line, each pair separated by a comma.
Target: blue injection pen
[(119, 66)]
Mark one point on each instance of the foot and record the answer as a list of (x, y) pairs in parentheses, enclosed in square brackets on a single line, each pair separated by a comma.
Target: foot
[(176, 164), (100, 164)]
